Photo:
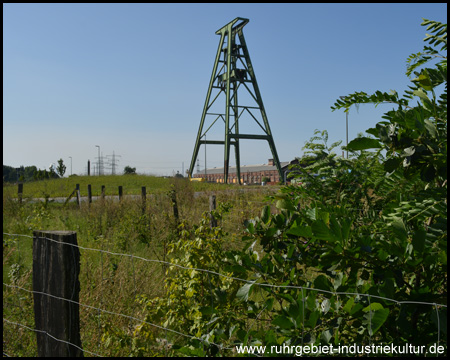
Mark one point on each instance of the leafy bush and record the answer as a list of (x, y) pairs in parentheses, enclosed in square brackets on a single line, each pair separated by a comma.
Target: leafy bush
[(365, 230), (349, 257), (197, 303)]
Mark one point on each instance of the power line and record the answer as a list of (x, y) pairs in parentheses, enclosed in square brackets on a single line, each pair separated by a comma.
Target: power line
[(112, 162)]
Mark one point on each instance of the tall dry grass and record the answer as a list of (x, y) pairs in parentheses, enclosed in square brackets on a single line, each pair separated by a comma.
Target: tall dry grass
[(110, 282)]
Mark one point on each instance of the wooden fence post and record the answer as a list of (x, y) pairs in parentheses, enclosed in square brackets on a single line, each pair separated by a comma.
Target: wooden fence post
[(175, 205), (144, 198), (120, 192), (212, 206), (20, 191), (69, 197), (56, 266), (103, 192), (89, 194), (77, 191)]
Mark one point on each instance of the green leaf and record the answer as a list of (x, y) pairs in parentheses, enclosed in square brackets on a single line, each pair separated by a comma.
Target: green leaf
[(290, 251), (311, 213), (418, 241), (337, 229), (373, 307), (311, 301), (431, 128), (241, 334), (422, 94), (270, 338), (338, 280), (190, 292), (292, 274), (287, 297), (283, 322), (372, 131), (207, 310), (244, 292), (269, 303), (326, 336), (427, 104), (355, 309), (409, 151), (251, 228), (363, 143), (425, 82), (321, 282), (265, 214), (293, 310), (391, 164), (387, 289), (321, 230), (186, 350), (285, 204), (300, 231), (312, 320), (376, 319), (325, 306), (400, 229)]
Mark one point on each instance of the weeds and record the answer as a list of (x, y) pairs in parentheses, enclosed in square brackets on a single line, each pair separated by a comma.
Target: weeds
[(111, 282)]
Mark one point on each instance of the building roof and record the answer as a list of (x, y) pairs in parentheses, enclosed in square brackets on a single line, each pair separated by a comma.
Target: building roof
[(245, 168)]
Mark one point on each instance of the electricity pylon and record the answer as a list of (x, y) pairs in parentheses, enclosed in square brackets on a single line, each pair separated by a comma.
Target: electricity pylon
[(227, 78), (112, 162)]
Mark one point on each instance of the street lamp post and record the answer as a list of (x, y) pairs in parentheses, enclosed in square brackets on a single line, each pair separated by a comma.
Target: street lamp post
[(346, 131), (70, 165), (346, 126), (98, 159)]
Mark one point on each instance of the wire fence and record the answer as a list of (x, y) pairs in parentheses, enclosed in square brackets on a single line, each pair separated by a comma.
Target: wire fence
[(101, 310)]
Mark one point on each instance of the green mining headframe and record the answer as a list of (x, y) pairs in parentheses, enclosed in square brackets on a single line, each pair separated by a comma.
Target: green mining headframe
[(227, 78)]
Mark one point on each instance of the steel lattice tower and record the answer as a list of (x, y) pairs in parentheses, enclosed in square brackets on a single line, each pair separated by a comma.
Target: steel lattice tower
[(232, 71)]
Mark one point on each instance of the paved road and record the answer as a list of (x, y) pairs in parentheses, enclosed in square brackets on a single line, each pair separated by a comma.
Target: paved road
[(116, 197)]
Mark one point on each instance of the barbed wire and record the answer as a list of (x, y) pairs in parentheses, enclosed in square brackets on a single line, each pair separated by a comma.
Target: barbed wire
[(236, 278), (167, 263), (220, 347), (111, 313), (49, 335)]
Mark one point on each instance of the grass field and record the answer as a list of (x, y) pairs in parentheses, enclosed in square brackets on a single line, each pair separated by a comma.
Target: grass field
[(110, 282), (131, 184)]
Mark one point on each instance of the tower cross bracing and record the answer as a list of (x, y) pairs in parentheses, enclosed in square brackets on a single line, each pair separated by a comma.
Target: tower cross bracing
[(233, 73)]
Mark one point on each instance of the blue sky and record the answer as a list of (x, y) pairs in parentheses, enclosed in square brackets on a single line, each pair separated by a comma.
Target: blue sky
[(133, 78)]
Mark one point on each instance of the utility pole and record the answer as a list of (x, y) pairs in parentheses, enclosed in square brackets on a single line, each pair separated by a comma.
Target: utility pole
[(98, 159), (112, 162)]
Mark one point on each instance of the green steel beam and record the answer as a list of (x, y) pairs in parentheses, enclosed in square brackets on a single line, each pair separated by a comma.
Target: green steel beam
[(250, 136), (228, 78), (205, 107), (230, 42), (260, 103)]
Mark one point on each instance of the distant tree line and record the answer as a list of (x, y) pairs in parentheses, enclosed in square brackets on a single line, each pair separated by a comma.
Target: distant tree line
[(26, 174)]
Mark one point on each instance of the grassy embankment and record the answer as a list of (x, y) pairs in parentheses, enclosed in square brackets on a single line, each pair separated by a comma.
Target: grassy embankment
[(131, 184)]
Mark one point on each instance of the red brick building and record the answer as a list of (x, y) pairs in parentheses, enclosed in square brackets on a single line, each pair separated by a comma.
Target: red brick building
[(250, 174)]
